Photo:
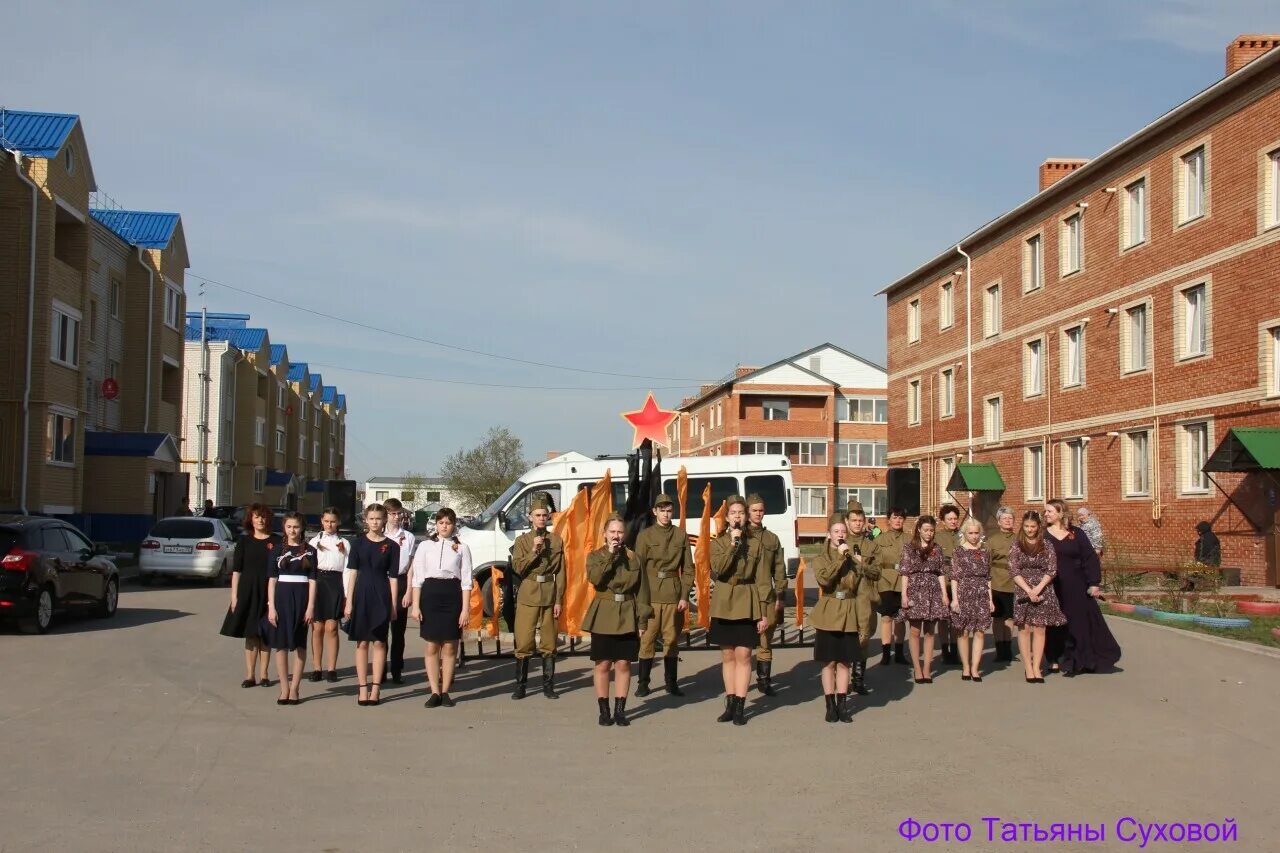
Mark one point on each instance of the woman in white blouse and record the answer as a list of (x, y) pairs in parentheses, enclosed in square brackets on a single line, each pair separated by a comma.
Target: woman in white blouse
[(331, 554), (441, 582)]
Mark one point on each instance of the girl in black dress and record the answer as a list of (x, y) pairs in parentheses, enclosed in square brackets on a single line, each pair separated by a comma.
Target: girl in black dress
[(371, 599), (291, 601), (1085, 644), (256, 553), (331, 560), (440, 581)]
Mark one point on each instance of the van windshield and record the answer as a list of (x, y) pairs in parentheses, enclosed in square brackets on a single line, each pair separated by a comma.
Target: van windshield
[(486, 518)]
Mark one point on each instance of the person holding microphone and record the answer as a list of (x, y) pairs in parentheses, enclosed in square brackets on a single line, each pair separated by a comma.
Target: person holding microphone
[(537, 558), (620, 607), (836, 620), (737, 606), (663, 551)]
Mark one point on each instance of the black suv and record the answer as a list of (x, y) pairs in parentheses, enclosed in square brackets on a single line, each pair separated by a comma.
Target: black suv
[(49, 566)]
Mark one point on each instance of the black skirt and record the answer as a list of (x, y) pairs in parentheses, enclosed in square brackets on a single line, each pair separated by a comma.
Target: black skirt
[(251, 606), (615, 646), (733, 632), (329, 597), (1004, 605), (291, 629), (835, 646), (441, 606)]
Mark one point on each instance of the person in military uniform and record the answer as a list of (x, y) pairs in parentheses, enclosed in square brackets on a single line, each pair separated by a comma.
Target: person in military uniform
[(737, 608), (620, 607), (866, 597), (1002, 588), (886, 553), (772, 579), (663, 551), (836, 618), (949, 540), (537, 558)]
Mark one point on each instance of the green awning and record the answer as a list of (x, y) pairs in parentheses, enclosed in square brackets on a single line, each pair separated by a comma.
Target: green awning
[(976, 477), (1246, 449)]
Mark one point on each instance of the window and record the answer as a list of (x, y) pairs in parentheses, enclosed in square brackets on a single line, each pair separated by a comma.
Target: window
[(1271, 198), (810, 500), (433, 497), (93, 320), (770, 487), (991, 318), (69, 160), (1033, 368), (302, 447), (946, 467), (1073, 357), (280, 397), (1137, 464), (721, 489), (867, 410), (1073, 468), (170, 383), (1195, 453), (946, 306), (1193, 323), (992, 423), (315, 452), (947, 393), (333, 456), (1273, 373), (1134, 339), (260, 433), (64, 346), (1072, 244), (1192, 185), (862, 454), (873, 499), (259, 479), (815, 363), (1134, 219), (280, 444), (913, 401), (1033, 264), (913, 321), (776, 410), (172, 305), (1035, 473), (60, 439), (114, 298), (409, 497), (113, 370), (381, 496), (799, 452)]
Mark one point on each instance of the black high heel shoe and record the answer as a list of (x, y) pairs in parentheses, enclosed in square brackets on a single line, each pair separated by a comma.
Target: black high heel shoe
[(375, 700), (316, 675), (362, 701), (248, 682)]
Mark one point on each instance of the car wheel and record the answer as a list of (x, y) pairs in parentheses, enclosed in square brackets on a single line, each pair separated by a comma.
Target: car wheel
[(110, 600), (43, 617)]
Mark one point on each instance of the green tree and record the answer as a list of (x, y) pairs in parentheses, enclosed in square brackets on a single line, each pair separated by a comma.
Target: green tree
[(479, 475)]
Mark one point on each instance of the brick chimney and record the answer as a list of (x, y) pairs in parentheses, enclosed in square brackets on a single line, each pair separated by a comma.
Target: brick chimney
[(1056, 168), (1246, 48)]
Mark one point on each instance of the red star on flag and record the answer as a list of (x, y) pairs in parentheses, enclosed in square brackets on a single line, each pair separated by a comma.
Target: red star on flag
[(650, 422)]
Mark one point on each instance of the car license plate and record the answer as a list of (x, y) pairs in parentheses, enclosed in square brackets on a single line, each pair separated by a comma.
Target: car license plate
[(177, 549)]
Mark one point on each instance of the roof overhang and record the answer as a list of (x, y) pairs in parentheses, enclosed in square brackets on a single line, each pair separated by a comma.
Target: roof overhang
[(976, 477), (1245, 450)]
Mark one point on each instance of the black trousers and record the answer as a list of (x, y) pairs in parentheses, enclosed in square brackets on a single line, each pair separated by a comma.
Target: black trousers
[(396, 657)]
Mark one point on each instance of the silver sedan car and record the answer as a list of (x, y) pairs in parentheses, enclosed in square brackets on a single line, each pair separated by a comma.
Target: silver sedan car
[(186, 547)]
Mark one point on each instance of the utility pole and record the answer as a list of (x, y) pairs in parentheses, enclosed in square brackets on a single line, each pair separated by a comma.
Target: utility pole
[(202, 476)]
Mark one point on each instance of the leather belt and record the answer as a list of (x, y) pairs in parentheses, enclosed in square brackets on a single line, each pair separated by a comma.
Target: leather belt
[(541, 578), (841, 595), (622, 596)]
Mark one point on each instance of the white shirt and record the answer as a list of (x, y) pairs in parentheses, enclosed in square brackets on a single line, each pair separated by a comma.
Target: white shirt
[(328, 557), (404, 539), (438, 559)]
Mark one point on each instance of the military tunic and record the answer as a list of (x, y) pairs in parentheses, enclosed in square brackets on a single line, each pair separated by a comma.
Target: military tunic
[(837, 617), (772, 579), (621, 605), (542, 584), (667, 564), (866, 596), (736, 598)]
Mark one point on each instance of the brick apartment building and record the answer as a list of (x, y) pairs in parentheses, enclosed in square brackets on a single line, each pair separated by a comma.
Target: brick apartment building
[(1122, 320), (273, 432), (90, 341), (824, 408)]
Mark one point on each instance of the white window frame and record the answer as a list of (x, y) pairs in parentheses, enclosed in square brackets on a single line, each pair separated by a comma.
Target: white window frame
[(259, 480), (946, 305), (315, 452), (913, 401), (60, 431), (281, 398), (946, 467), (115, 292), (1033, 376), (849, 454), (874, 499), (913, 321), (1033, 473), (1135, 220), (1071, 245), (1270, 183), (849, 410), (1269, 357), (302, 447), (1195, 444), (993, 418), (946, 393), (1033, 263), (992, 310), (1183, 322), (260, 432), (282, 445), (1128, 347), (775, 405), (1075, 468), (805, 498), (1136, 464), (1191, 184), (172, 305), (1077, 381), (64, 336)]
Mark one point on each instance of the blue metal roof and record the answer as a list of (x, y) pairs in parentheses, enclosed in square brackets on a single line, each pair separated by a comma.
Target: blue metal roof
[(297, 370), (122, 443), (342, 401), (227, 321), (147, 229), (277, 354), (316, 382), (249, 340), (329, 394), (278, 478), (35, 134)]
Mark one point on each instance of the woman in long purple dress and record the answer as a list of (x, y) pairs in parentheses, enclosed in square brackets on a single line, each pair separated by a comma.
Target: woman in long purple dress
[(924, 594), (1086, 643), (1033, 565), (971, 601)]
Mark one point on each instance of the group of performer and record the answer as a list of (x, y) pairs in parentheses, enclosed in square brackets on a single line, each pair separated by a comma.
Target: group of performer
[(947, 578)]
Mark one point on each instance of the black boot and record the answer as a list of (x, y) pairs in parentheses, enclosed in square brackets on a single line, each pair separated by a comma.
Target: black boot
[(642, 678), (832, 715), (886, 651), (670, 674), (844, 709), (728, 709), (739, 710), (900, 653), (522, 677), (605, 719), (1004, 652), (549, 677), (460, 660), (620, 712), (860, 677), (764, 677)]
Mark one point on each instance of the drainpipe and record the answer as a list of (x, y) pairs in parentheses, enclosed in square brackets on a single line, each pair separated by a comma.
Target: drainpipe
[(151, 310), (31, 323), (968, 340)]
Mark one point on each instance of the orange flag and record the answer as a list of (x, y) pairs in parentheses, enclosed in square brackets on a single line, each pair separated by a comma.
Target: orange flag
[(495, 586), (572, 527), (476, 609), (682, 501), (601, 506), (800, 594), (702, 559)]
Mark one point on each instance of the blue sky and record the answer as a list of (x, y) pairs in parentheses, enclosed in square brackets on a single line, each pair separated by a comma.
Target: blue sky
[(661, 189)]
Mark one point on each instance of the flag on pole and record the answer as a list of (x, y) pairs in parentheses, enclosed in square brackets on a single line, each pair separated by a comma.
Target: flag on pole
[(572, 527), (495, 586), (800, 594)]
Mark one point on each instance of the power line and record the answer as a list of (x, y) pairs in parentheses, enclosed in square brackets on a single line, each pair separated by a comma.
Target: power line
[(489, 384), (435, 343)]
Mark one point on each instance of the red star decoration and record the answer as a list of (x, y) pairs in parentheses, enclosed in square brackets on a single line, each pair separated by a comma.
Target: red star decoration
[(650, 422)]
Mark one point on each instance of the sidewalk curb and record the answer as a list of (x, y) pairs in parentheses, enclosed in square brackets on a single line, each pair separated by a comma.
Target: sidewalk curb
[(1239, 645)]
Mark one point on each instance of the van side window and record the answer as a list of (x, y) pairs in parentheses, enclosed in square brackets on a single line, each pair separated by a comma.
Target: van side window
[(721, 489), (518, 512), (773, 489), (619, 493)]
